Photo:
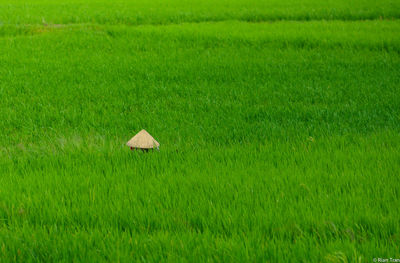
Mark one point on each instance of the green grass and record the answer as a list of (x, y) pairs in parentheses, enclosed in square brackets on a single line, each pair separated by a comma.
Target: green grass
[(177, 11), (280, 140)]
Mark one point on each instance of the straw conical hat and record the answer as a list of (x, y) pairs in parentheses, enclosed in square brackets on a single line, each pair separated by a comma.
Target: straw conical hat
[(143, 140)]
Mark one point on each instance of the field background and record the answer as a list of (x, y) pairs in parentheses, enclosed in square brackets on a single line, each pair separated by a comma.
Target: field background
[(279, 124)]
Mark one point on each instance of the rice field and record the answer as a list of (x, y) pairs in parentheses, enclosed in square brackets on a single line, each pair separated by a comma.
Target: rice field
[(279, 125)]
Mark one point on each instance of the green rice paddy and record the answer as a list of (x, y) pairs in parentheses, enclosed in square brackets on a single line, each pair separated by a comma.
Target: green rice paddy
[(279, 125)]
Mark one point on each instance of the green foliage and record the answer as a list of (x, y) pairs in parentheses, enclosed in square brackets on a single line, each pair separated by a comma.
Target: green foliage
[(279, 141), (134, 12)]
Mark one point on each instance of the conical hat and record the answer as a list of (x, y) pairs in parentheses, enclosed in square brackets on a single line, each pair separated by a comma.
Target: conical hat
[(143, 140)]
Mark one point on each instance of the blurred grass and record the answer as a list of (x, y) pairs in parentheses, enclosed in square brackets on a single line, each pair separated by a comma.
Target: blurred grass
[(259, 82), (178, 11)]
